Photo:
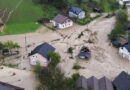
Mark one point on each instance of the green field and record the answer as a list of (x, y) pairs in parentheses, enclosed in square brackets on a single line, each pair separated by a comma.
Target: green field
[(23, 18)]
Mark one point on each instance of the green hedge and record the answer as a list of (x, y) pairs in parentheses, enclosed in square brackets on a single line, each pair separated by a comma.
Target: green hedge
[(86, 20)]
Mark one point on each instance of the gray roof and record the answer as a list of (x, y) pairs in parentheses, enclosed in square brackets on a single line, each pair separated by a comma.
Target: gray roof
[(122, 82), (60, 18), (93, 83), (43, 49), (81, 83), (5, 86), (75, 10), (84, 54), (105, 84), (127, 46)]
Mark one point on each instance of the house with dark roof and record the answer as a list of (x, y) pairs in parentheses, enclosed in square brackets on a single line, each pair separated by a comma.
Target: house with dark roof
[(93, 83), (5, 86), (76, 12), (125, 51), (40, 54), (61, 22), (122, 81)]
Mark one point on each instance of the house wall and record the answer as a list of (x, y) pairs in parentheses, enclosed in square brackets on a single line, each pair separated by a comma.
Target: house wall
[(124, 53), (121, 2), (71, 14), (66, 24), (37, 58), (80, 16)]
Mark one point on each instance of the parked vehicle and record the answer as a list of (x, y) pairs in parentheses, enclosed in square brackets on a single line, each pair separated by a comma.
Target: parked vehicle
[(116, 44)]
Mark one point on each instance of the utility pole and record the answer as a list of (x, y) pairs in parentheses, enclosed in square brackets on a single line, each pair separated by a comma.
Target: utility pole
[(26, 43)]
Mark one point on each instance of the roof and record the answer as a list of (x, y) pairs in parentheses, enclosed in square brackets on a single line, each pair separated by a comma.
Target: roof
[(127, 46), (5, 86), (81, 83), (93, 83), (116, 43), (43, 49), (122, 81), (60, 18), (105, 84), (84, 54), (75, 10)]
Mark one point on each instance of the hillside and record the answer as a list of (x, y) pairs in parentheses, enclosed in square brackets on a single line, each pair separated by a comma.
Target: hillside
[(24, 16)]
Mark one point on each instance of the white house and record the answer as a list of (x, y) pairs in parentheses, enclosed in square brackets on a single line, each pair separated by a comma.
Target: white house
[(124, 2), (62, 22), (40, 55), (125, 51), (76, 12)]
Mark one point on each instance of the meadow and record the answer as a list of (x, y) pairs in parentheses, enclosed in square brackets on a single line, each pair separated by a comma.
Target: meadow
[(23, 19)]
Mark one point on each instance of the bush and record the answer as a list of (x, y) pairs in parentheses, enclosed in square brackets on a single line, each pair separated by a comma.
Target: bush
[(70, 50), (80, 35), (75, 76), (120, 25), (37, 69), (76, 66), (11, 65), (86, 20), (55, 59)]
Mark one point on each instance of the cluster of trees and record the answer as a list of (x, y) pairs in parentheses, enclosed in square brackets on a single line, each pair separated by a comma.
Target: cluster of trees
[(8, 46), (51, 78), (57, 3), (120, 25), (108, 5)]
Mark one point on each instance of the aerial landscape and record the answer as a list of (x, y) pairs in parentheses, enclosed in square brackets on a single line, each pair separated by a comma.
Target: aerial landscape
[(65, 45)]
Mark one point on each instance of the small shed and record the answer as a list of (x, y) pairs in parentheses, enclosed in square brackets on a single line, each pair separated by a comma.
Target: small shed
[(116, 44), (44, 20), (84, 53)]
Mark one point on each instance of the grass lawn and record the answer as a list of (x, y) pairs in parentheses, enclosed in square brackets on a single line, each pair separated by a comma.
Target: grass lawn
[(17, 28), (24, 17)]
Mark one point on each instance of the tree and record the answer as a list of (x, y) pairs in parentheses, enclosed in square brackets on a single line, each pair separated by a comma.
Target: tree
[(54, 59), (60, 3), (129, 37), (122, 17), (119, 29), (37, 69), (79, 1), (1, 46)]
